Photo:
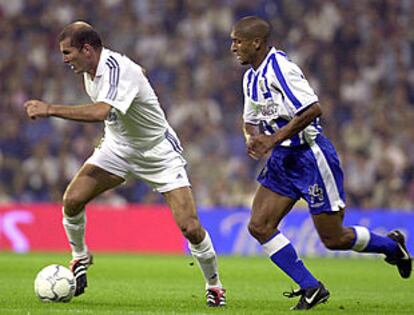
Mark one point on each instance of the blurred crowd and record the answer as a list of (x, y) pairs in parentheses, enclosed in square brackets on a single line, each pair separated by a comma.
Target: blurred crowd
[(357, 54)]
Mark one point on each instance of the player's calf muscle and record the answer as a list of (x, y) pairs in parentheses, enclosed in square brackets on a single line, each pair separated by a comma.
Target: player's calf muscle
[(340, 241)]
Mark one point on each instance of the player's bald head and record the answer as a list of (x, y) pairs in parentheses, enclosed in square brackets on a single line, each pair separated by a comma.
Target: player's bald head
[(78, 26), (81, 33), (252, 27)]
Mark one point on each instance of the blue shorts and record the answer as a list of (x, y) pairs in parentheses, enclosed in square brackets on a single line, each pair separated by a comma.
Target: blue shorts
[(311, 172)]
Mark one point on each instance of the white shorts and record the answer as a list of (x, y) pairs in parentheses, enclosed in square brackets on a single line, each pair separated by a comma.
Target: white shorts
[(162, 166)]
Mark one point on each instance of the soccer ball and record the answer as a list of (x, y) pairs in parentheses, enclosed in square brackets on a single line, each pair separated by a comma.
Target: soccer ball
[(55, 283)]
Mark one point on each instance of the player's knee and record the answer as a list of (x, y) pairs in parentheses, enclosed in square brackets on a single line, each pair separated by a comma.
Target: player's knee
[(73, 204), (258, 230)]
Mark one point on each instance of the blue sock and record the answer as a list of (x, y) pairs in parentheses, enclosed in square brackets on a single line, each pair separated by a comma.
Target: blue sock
[(368, 242), (282, 253)]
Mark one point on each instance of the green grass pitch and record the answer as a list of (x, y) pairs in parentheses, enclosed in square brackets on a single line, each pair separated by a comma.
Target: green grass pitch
[(139, 284)]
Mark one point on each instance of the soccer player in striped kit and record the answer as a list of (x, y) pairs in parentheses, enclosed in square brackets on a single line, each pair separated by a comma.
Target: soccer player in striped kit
[(138, 142), (281, 116)]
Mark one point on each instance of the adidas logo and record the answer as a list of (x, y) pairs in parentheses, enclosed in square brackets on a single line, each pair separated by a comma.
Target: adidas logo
[(179, 176)]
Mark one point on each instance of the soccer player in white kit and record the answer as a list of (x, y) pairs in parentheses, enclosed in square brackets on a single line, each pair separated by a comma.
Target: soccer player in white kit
[(138, 142), (281, 116)]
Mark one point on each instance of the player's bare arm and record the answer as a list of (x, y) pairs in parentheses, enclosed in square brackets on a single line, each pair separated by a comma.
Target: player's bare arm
[(87, 113), (250, 130), (261, 144)]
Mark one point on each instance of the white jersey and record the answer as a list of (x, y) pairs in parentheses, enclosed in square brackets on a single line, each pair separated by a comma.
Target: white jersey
[(274, 93), (136, 118)]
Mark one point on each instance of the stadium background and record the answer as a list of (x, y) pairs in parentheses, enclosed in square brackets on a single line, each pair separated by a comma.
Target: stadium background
[(358, 55)]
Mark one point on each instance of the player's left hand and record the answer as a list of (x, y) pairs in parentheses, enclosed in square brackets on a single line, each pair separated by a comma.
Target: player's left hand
[(259, 145), (35, 108)]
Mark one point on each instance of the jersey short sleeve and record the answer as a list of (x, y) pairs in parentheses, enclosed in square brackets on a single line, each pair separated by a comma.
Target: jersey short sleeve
[(120, 84), (290, 80)]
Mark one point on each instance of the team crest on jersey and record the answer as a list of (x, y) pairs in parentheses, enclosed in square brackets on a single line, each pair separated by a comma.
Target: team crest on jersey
[(316, 194), (262, 86)]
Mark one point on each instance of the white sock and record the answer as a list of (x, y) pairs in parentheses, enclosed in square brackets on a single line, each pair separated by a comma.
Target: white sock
[(362, 237), (207, 260), (75, 231)]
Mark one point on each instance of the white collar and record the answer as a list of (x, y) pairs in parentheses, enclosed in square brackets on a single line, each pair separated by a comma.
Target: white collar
[(272, 50), (101, 64)]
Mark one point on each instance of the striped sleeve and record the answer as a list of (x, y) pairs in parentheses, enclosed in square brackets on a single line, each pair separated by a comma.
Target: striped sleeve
[(120, 85), (293, 84), (114, 71)]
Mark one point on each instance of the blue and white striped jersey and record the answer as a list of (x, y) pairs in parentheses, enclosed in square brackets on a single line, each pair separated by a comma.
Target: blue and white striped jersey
[(136, 118), (274, 93)]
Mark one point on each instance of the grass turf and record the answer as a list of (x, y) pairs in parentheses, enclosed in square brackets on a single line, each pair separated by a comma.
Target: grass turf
[(138, 284)]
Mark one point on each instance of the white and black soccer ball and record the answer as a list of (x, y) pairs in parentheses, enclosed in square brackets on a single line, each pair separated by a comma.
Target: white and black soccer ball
[(55, 283)]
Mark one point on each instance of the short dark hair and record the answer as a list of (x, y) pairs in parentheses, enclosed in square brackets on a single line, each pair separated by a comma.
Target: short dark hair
[(81, 34), (254, 26)]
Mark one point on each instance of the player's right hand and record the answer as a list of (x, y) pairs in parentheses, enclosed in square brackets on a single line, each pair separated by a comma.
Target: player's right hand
[(250, 151), (36, 108), (259, 145), (253, 154)]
